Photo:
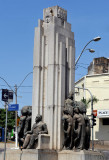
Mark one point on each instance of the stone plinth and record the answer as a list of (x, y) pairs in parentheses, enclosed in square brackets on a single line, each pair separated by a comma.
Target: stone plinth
[(80, 155), (38, 154), (29, 154), (43, 141)]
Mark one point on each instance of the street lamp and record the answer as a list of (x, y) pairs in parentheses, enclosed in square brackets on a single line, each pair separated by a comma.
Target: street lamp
[(15, 92), (96, 38), (16, 89), (90, 50)]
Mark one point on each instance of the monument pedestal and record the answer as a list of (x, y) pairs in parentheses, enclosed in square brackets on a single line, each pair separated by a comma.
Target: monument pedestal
[(30, 154), (80, 155), (44, 154)]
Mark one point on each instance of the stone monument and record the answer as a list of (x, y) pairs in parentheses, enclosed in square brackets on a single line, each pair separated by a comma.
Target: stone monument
[(59, 121), (53, 70)]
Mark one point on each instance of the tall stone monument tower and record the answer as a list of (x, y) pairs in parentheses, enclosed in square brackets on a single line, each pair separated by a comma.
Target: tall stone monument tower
[(53, 70)]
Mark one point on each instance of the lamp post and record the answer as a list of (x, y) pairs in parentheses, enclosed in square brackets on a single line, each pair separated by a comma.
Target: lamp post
[(15, 92), (90, 50), (6, 107), (16, 89)]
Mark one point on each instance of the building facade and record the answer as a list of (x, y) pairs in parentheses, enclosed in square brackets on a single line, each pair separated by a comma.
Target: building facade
[(98, 85), (98, 66)]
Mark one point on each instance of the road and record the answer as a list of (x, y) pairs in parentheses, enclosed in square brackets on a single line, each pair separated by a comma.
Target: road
[(9, 145), (105, 153), (104, 149)]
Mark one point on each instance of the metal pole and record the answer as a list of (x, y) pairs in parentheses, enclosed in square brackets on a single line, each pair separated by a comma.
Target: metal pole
[(16, 136), (91, 113), (82, 52), (92, 130), (5, 131), (91, 118)]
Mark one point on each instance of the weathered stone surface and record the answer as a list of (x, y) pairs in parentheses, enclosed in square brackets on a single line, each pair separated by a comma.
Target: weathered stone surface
[(80, 155), (33, 154), (53, 70), (30, 154), (43, 141)]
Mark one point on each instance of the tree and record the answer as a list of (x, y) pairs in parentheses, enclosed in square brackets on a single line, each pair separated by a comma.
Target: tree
[(87, 101), (10, 119)]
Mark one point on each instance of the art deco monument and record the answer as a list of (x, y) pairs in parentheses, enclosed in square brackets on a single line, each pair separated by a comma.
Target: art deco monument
[(60, 128), (53, 70)]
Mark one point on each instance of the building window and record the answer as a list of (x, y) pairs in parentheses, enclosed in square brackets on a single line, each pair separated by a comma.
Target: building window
[(95, 81), (107, 80), (105, 121), (106, 99), (83, 85)]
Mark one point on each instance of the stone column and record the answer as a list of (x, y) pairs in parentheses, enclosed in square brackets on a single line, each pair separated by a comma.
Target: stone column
[(53, 70)]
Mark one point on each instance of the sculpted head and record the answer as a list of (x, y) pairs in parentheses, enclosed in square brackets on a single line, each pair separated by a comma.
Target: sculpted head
[(76, 110), (38, 118), (71, 95)]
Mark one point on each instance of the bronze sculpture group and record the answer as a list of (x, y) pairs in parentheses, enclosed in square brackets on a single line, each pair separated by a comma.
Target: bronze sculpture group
[(75, 122), (24, 123), (27, 137), (31, 138), (76, 125)]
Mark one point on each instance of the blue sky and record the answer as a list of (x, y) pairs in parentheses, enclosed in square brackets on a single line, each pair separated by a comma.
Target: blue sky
[(18, 18)]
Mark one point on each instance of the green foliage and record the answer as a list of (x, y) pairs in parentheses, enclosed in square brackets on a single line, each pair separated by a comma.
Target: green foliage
[(10, 119), (87, 101)]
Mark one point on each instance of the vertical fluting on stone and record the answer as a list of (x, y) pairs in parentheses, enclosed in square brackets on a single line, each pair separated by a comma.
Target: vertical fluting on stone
[(61, 91), (42, 78), (53, 77), (37, 70), (51, 80), (56, 91)]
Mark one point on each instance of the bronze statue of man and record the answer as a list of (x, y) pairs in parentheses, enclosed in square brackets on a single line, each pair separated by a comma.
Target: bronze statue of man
[(31, 138), (24, 123), (22, 126), (79, 129), (68, 129)]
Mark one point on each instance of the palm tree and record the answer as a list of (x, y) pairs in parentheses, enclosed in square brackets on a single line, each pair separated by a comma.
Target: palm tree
[(87, 101)]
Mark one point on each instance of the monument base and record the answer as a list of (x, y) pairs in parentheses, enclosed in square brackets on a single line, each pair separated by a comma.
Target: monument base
[(38, 154), (80, 155)]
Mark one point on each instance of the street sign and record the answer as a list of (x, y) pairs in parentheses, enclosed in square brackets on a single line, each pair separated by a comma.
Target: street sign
[(95, 113), (5, 95), (103, 113), (10, 96), (13, 107)]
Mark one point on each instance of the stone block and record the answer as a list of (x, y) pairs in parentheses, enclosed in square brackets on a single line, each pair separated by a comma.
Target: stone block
[(29, 154), (11, 155), (80, 155), (46, 154), (43, 141)]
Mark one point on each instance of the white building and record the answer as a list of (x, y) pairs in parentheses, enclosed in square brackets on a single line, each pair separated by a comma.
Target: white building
[(98, 84)]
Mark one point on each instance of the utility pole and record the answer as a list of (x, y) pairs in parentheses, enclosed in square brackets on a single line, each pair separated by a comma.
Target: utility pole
[(5, 96), (5, 130), (16, 136)]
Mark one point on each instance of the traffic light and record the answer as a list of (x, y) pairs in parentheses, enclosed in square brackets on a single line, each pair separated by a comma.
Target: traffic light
[(0, 113), (94, 120)]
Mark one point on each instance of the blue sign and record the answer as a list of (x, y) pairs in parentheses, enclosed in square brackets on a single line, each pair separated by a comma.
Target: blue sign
[(13, 107)]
